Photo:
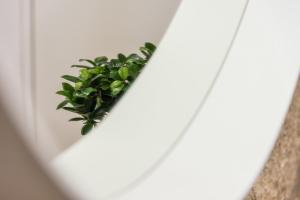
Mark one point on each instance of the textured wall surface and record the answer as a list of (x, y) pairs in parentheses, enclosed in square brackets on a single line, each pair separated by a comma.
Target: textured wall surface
[(280, 179)]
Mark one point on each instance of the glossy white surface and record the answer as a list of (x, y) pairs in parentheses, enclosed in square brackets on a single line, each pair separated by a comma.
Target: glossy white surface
[(153, 115)]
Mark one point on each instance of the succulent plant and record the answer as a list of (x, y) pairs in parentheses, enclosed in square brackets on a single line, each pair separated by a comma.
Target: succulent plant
[(100, 84)]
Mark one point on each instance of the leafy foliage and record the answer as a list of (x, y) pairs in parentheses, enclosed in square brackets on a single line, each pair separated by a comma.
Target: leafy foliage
[(100, 84)]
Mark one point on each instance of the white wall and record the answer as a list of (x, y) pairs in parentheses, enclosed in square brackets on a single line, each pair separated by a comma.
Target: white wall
[(10, 54), (66, 30)]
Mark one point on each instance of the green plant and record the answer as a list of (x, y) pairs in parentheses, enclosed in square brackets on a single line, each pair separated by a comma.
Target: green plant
[(100, 85)]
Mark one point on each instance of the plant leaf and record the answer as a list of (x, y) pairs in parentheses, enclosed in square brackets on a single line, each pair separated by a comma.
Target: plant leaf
[(86, 128), (96, 77), (134, 56), (84, 74), (68, 87), (150, 46), (96, 70), (65, 93), (80, 95), (133, 70), (123, 73), (116, 84), (100, 60), (74, 110), (145, 51), (81, 66), (122, 57), (88, 91), (116, 87), (62, 104), (114, 74), (75, 119), (104, 84), (89, 61), (61, 93), (116, 63), (78, 85), (71, 78), (116, 91)]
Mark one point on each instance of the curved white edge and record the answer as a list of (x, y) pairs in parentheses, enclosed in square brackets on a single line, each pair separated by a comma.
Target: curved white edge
[(231, 138), (157, 109)]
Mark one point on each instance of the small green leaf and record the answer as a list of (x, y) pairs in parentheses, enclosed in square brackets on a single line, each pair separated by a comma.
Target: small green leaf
[(96, 78), (150, 46), (86, 128), (77, 101), (123, 73), (145, 51), (96, 70), (65, 93), (74, 110), (116, 84), (71, 78), (81, 66), (62, 104), (135, 59), (80, 95), (68, 87), (89, 61), (116, 91), (61, 93), (114, 74), (133, 70), (122, 57), (116, 87), (75, 119), (88, 91), (116, 63), (84, 74), (105, 84), (140, 62), (78, 85), (100, 60)]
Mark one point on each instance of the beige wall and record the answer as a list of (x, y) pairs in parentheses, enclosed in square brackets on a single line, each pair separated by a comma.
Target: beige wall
[(66, 30), (21, 174), (10, 61)]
